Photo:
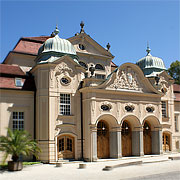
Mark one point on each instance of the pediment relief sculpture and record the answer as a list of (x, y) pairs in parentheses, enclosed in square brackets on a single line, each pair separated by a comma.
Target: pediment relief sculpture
[(126, 79), (61, 75)]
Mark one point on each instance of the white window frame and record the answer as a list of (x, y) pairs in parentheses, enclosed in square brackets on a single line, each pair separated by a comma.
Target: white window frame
[(18, 120), (65, 104), (164, 109), (16, 82)]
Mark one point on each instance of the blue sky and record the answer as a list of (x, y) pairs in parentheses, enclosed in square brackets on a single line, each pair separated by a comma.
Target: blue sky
[(126, 25)]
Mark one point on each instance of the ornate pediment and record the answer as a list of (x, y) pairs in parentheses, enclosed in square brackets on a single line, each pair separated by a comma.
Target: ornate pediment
[(126, 79), (61, 70)]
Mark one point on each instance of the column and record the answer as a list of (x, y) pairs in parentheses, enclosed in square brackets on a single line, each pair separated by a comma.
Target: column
[(157, 141), (115, 143), (94, 143), (137, 142)]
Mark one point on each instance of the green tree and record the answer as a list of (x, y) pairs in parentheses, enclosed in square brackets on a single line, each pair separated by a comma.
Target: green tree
[(174, 71), (18, 143)]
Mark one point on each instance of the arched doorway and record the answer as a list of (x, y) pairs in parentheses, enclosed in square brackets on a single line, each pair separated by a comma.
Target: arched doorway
[(147, 138), (65, 147), (166, 142), (126, 139), (102, 139)]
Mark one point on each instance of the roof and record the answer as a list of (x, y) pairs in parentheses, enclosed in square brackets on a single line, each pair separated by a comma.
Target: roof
[(11, 69), (30, 45), (176, 88), (8, 74)]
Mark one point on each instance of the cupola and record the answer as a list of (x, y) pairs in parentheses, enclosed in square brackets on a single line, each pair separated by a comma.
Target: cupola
[(150, 65), (54, 48)]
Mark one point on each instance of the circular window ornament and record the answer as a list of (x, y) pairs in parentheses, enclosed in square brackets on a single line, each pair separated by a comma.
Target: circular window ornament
[(149, 109), (129, 108), (81, 46), (65, 81), (105, 107)]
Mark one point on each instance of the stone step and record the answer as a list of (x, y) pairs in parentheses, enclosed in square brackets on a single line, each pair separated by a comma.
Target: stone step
[(108, 168), (174, 158)]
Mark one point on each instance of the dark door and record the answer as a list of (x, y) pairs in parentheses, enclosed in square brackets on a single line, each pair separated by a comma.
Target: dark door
[(126, 139), (147, 138), (102, 140)]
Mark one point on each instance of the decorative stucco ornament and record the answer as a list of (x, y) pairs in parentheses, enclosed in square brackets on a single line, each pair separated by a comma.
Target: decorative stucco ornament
[(164, 84), (126, 79), (61, 69)]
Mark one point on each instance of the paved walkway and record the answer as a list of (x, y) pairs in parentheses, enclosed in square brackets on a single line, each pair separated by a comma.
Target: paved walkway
[(93, 171)]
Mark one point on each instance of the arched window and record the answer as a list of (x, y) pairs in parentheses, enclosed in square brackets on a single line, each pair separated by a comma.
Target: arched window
[(99, 67), (83, 64)]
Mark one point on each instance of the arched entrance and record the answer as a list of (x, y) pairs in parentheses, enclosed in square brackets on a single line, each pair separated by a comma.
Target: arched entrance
[(126, 135), (166, 142), (102, 139), (65, 147), (147, 138)]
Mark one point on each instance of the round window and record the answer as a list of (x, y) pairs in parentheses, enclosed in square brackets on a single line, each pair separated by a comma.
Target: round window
[(105, 107), (65, 80), (129, 108), (149, 109), (81, 46)]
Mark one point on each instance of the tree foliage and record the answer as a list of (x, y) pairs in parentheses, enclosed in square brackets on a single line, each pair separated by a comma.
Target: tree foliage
[(174, 71), (18, 143)]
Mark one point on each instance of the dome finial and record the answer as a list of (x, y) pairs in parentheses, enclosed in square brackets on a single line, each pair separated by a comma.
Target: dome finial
[(82, 27), (56, 31), (148, 50)]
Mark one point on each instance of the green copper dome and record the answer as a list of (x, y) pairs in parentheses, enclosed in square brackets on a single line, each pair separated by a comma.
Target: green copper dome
[(54, 48), (151, 65)]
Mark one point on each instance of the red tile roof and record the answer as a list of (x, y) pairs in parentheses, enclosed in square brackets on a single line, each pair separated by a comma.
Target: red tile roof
[(30, 45), (11, 69), (176, 87), (40, 38), (9, 83), (177, 96)]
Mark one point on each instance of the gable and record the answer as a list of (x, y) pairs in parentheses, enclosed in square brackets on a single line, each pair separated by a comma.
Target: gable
[(91, 46), (128, 77)]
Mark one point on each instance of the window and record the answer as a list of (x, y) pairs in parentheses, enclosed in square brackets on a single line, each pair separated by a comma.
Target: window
[(18, 120), (18, 82), (83, 64), (65, 104), (100, 76), (65, 81), (176, 123), (99, 67), (81, 46), (164, 109), (105, 107)]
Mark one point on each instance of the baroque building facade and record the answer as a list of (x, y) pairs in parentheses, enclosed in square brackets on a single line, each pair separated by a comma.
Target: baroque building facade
[(78, 104)]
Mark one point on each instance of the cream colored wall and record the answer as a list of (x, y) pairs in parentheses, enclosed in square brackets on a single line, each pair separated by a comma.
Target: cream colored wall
[(93, 100), (21, 59), (50, 124), (176, 135), (14, 100)]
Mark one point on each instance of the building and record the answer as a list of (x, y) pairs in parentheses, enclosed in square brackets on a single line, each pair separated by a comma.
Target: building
[(78, 104)]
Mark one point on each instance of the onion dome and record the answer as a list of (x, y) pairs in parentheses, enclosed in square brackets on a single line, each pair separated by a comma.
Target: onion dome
[(54, 48), (151, 65)]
